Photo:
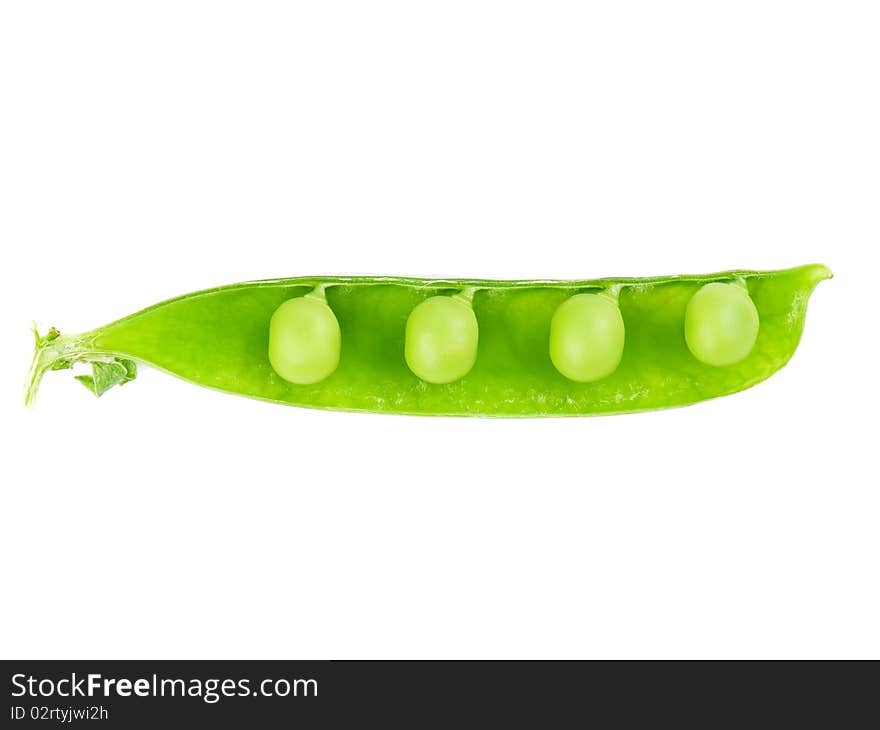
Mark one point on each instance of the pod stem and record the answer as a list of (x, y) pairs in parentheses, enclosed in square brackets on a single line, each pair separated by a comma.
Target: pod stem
[(54, 351)]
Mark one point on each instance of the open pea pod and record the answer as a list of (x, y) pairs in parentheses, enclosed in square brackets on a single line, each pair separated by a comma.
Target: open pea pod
[(459, 347)]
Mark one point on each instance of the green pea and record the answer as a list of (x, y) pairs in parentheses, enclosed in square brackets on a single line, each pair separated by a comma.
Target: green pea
[(304, 340), (721, 324), (441, 339), (586, 337)]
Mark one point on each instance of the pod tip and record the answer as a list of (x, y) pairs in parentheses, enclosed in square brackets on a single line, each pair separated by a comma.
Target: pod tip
[(820, 272)]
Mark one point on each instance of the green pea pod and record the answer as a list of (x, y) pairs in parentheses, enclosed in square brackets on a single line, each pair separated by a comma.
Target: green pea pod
[(460, 347)]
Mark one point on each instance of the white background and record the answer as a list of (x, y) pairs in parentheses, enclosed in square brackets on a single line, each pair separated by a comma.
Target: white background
[(153, 149)]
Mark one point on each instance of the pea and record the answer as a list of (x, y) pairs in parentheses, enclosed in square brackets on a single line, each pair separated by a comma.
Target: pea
[(546, 348), (721, 324), (441, 339), (304, 340), (586, 337)]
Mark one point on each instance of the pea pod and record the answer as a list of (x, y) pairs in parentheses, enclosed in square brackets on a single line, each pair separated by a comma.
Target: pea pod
[(460, 347)]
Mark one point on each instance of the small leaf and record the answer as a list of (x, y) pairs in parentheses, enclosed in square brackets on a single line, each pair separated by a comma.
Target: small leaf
[(61, 365), (131, 370), (104, 376), (88, 381)]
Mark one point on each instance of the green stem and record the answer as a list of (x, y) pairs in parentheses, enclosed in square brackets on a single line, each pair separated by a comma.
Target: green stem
[(612, 292), (317, 294), (466, 295), (53, 352)]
